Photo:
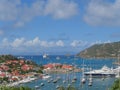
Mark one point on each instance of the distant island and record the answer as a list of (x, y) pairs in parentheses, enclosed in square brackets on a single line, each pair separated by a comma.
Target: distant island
[(106, 50)]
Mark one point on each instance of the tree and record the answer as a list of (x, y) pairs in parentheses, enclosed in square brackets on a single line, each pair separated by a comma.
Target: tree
[(71, 88), (15, 88), (116, 85), (67, 88), (61, 88)]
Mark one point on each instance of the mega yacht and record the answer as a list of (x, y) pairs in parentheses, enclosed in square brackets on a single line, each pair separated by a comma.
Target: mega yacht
[(103, 72), (117, 71)]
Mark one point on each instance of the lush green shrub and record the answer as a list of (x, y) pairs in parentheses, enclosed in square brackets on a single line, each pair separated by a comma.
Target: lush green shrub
[(116, 85), (71, 88), (61, 88), (15, 88), (67, 88)]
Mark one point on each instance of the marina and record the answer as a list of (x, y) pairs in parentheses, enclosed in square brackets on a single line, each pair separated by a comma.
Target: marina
[(59, 45), (56, 80)]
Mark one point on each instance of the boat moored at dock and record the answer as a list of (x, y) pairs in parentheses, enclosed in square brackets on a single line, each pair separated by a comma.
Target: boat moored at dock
[(103, 72)]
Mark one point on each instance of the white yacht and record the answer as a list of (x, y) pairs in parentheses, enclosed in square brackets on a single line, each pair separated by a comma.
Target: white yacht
[(117, 71), (20, 57), (103, 72), (45, 56), (45, 76)]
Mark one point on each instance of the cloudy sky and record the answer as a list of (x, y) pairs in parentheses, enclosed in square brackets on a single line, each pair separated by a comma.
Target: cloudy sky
[(57, 26)]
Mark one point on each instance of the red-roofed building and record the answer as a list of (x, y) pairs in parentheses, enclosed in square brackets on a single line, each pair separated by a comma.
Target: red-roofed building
[(12, 61), (15, 72), (4, 67), (1, 69), (69, 67), (50, 66), (26, 67), (2, 75), (22, 62)]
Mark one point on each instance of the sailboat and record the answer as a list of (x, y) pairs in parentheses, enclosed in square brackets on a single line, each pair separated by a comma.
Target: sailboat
[(56, 78), (90, 79), (55, 81), (90, 84), (118, 68), (83, 80), (42, 84), (57, 87), (74, 77), (37, 87), (48, 81)]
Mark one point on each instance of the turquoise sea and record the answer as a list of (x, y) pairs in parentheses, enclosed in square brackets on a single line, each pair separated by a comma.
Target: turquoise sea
[(98, 83)]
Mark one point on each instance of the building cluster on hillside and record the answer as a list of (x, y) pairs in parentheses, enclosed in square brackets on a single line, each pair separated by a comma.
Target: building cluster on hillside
[(14, 70), (58, 66)]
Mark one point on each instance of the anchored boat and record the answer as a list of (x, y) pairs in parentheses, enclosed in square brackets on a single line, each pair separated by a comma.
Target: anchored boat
[(103, 72)]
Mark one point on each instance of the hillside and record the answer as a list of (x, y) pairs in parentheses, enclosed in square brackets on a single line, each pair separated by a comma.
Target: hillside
[(108, 50), (3, 58)]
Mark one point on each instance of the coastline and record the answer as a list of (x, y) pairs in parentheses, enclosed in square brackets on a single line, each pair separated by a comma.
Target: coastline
[(50, 71), (106, 58)]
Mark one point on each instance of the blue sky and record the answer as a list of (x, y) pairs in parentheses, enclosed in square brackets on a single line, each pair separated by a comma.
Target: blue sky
[(57, 26)]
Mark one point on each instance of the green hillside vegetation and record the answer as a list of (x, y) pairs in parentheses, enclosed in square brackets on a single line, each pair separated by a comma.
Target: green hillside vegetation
[(15, 88), (67, 88), (3, 58), (116, 85), (107, 50)]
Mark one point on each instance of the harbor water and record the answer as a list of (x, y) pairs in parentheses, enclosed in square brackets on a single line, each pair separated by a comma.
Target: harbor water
[(98, 83)]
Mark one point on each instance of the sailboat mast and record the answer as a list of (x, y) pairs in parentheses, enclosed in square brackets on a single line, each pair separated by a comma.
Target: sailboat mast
[(119, 57)]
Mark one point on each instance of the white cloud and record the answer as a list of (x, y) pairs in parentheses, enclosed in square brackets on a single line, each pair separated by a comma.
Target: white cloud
[(99, 42), (19, 45), (61, 8), (18, 42), (42, 43), (36, 42), (36, 45), (19, 24), (78, 43), (96, 42), (60, 43), (5, 42), (8, 9), (15, 10), (101, 12)]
